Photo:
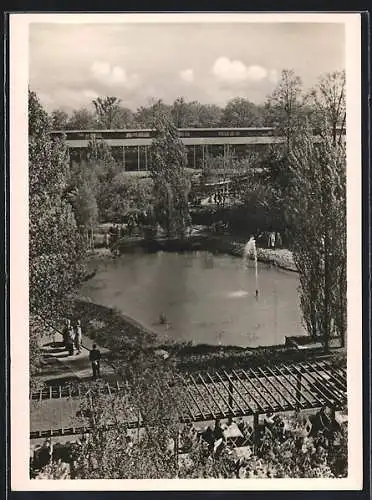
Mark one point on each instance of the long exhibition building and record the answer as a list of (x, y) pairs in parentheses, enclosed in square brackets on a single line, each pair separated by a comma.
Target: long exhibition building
[(130, 147)]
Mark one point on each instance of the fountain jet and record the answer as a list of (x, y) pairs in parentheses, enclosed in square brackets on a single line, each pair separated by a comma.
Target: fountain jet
[(250, 248)]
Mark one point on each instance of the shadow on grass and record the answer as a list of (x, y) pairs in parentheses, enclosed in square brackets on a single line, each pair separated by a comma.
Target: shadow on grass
[(80, 381), (61, 381), (49, 355), (53, 350), (54, 345)]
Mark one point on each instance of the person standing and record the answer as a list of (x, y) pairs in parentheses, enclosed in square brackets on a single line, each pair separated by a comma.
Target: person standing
[(219, 438), (78, 337), (65, 332), (279, 242), (107, 239), (70, 340), (95, 359), (272, 240)]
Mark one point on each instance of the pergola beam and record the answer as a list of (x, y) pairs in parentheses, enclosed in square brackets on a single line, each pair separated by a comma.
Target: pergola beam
[(220, 394)]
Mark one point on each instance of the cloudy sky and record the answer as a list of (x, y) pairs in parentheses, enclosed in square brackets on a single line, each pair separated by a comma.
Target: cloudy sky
[(70, 64)]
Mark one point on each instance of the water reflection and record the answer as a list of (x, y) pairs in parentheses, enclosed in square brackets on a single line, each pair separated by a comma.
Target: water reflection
[(205, 298)]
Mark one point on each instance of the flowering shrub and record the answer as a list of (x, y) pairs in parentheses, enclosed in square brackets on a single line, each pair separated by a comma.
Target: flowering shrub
[(54, 470)]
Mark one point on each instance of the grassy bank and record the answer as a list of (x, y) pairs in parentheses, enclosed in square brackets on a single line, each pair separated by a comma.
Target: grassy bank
[(128, 341)]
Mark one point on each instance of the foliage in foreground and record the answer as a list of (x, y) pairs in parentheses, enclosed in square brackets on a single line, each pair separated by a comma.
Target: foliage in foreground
[(153, 452), (56, 249)]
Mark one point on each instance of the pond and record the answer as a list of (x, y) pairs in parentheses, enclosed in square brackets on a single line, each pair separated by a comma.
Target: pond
[(205, 298)]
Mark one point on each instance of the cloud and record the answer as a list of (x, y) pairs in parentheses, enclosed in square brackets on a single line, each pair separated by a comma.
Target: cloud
[(90, 94), (234, 71), (187, 75), (104, 72), (273, 76)]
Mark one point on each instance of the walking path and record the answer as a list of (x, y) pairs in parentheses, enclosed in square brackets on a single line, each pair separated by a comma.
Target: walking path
[(59, 369), (76, 367)]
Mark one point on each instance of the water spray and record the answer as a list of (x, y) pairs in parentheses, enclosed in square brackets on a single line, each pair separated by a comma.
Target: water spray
[(248, 249)]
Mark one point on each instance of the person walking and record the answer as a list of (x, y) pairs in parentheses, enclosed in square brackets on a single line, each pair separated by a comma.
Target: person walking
[(78, 337), (95, 359)]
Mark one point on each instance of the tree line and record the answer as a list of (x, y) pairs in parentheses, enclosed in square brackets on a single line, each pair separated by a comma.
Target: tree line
[(107, 112)]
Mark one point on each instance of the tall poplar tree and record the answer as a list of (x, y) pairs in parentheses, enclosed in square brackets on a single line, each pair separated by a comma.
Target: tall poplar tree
[(168, 160)]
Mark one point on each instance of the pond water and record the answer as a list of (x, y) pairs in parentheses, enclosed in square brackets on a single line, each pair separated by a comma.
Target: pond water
[(205, 298)]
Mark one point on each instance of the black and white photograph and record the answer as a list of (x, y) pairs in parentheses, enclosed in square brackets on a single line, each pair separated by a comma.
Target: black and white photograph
[(185, 267)]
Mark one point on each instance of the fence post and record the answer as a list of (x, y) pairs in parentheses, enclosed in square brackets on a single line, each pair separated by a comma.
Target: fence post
[(231, 401), (255, 430), (299, 389), (176, 448)]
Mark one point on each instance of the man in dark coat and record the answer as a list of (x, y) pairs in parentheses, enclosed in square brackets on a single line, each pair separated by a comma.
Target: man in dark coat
[(95, 359)]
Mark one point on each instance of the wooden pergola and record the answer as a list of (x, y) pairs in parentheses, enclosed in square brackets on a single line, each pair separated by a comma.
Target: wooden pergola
[(224, 394)]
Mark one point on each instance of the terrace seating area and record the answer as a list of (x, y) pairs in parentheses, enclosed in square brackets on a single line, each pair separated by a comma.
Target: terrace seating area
[(236, 442)]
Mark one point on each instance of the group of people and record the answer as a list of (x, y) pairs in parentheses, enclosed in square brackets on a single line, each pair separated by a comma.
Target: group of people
[(273, 428), (114, 233), (274, 240), (214, 438), (270, 239), (132, 221), (72, 337)]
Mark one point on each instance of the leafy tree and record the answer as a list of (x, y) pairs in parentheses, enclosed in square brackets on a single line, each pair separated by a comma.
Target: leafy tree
[(82, 119), (209, 115), (123, 118), (316, 211), (145, 115), (183, 113), (107, 110), (284, 110), (56, 251), (285, 105), (59, 119), (107, 454), (328, 102), (193, 114), (168, 160), (123, 195), (240, 112), (85, 206), (99, 158)]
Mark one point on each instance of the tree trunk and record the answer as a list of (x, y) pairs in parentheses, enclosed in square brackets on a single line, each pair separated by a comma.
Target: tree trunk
[(326, 310), (326, 324), (342, 326)]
